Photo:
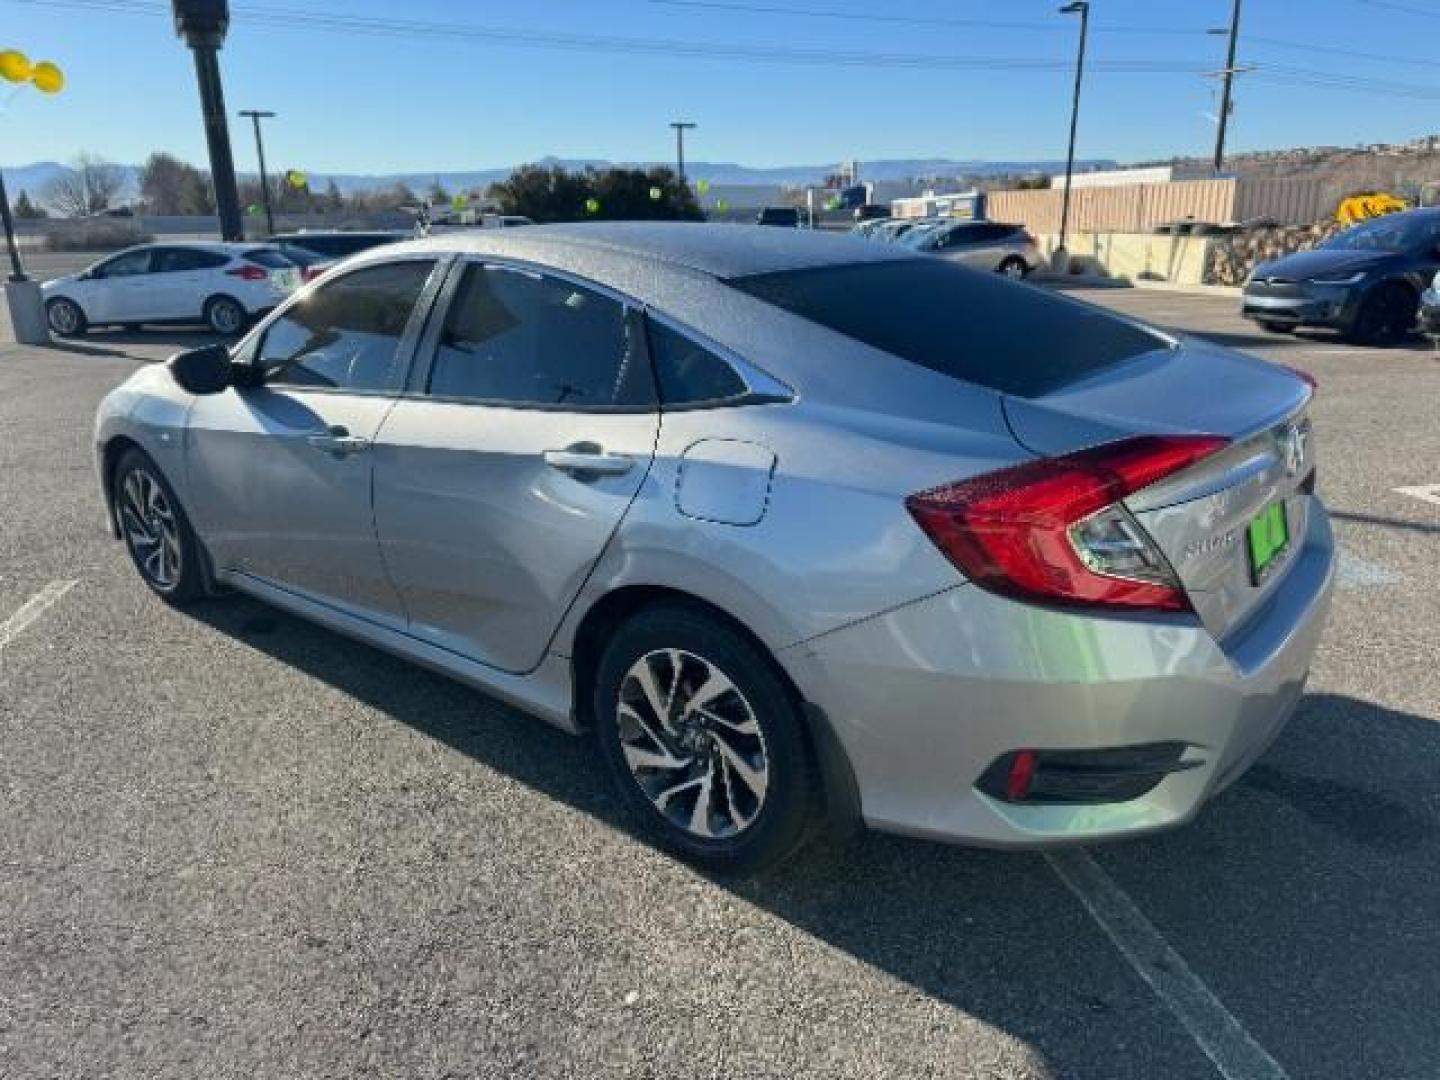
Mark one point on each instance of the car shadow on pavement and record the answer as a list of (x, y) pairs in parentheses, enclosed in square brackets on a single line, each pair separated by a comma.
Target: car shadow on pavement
[(178, 337), (1305, 896)]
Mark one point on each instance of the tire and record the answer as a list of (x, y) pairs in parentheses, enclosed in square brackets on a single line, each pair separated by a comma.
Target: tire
[(156, 532), (1277, 327), (225, 316), (65, 318), (747, 756), (1012, 266), (1387, 315)]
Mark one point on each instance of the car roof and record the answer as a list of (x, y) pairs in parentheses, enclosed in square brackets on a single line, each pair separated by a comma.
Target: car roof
[(603, 250)]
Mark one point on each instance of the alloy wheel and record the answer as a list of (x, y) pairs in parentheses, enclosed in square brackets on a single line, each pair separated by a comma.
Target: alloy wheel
[(64, 317), (692, 743), (225, 317), (151, 531)]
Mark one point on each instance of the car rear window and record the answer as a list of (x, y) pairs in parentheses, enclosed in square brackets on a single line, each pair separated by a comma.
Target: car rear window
[(963, 323), (268, 257)]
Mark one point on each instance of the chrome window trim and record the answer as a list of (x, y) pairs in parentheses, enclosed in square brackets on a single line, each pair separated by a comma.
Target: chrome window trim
[(760, 386)]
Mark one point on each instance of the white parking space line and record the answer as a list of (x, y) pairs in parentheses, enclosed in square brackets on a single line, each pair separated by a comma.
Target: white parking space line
[(32, 609), (1426, 493), (1215, 1030)]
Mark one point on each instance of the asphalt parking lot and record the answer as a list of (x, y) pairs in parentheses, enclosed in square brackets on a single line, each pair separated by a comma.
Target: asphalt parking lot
[(233, 844)]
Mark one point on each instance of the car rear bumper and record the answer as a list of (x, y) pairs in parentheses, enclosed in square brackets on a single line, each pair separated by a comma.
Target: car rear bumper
[(924, 699)]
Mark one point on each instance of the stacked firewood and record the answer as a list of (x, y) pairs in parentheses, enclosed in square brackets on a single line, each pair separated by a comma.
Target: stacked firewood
[(1231, 258)]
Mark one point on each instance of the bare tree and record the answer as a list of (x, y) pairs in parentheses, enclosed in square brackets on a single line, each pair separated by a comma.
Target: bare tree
[(88, 186)]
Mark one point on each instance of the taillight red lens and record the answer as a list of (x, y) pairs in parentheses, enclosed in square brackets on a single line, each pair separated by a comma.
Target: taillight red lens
[(1305, 375), (248, 272), (1011, 531)]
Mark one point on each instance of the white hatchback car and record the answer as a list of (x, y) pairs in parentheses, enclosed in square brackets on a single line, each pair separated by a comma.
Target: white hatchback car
[(224, 286)]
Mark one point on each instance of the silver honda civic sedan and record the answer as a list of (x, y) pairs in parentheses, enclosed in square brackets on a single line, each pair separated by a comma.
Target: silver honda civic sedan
[(794, 526)]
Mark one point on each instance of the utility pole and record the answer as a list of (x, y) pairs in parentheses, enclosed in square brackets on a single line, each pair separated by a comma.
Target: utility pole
[(1082, 8), (680, 126), (1229, 74), (203, 24), (256, 115)]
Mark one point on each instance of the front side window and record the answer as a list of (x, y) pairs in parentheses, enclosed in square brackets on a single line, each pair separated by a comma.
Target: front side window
[(126, 265), (516, 338), (347, 333)]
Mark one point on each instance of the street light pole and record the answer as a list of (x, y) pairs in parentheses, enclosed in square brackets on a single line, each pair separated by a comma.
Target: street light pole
[(1082, 7), (680, 127), (256, 115), (1225, 92), (203, 24), (17, 268)]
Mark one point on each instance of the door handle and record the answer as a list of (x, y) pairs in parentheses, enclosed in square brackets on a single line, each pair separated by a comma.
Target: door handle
[(338, 441), (587, 460)]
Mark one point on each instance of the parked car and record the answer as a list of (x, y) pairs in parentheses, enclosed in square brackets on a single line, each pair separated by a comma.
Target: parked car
[(1430, 309), (871, 212), (985, 245), (867, 228), (1365, 281), (786, 521), (895, 228), (311, 263), (786, 217), (222, 285), (338, 243)]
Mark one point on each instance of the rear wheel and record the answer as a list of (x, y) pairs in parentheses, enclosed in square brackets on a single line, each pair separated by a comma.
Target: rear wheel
[(225, 316), (704, 739), (1013, 267), (1386, 315), (155, 530), (65, 317)]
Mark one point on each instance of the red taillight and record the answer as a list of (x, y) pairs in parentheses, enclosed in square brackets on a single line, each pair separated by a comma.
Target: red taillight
[(248, 272), (1014, 531), (1305, 375), (310, 273)]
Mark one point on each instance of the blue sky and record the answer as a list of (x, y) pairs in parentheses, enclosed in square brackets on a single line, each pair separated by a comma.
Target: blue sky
[(380, 103)]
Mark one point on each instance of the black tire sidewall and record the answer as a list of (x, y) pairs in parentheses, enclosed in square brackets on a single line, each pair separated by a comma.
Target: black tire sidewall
[(192, 582), (789, 808), (80, 321), (1366, 329), (1013, 260), (216, 302)]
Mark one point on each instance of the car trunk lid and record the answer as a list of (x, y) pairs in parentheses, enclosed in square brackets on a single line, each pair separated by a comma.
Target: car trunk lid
[(1204, 518)]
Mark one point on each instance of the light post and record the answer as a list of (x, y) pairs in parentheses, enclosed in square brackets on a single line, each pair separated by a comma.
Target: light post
[(23, 297), (1081, 8), (203, 24), (680, 127), (256, 115)]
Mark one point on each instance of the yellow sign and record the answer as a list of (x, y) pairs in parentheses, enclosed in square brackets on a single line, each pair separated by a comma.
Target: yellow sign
[(14, 66), (1360, 208)]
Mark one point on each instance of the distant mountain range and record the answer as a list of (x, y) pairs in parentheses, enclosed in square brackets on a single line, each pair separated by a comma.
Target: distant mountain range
[(34, 177)]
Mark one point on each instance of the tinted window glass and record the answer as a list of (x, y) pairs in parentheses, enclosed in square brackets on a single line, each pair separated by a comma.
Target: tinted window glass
[(268, 257), (520, 339), (337, 245), (345, 334), (132, 262), (172, 260), (688, 372), (963, 323)]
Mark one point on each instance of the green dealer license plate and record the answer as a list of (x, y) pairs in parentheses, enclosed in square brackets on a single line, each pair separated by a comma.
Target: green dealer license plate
[(1269, 536)]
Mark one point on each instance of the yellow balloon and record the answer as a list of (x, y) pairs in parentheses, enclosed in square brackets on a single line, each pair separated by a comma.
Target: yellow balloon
[(48, 78), (14, 66)]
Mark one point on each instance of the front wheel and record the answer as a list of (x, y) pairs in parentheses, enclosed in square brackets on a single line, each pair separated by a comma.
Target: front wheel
[(225, 316), (704, 740), (156, 532), (65, 317), (1013, 267), (1387, 315)]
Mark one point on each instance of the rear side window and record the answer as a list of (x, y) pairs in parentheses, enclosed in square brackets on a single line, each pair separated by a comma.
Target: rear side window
[(173, 260), (689, 373), (269, 258), (963, 323), (345, 335), (517, 338)]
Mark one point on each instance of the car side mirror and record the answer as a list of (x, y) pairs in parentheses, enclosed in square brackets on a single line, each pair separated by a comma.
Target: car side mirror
[(205, 370)]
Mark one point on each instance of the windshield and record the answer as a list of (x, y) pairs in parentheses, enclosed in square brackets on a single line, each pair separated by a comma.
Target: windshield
[(1396, 233), (922, 235)]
